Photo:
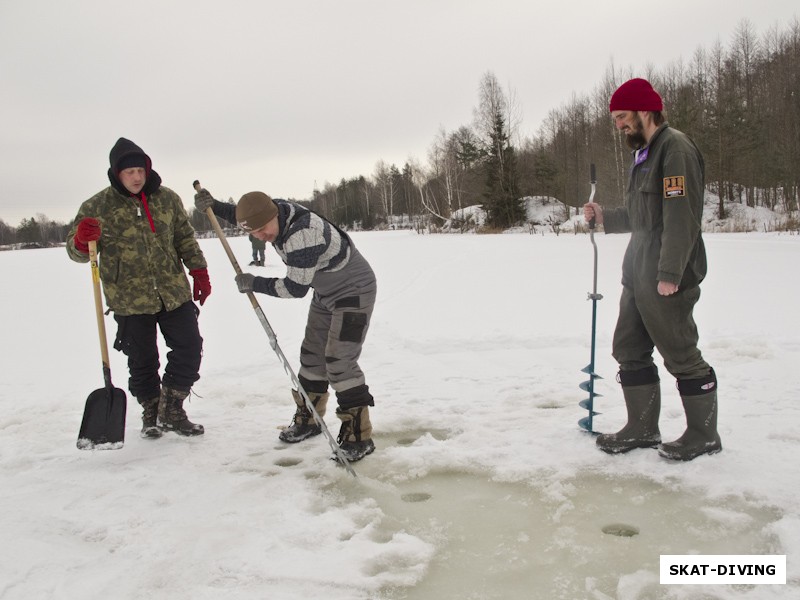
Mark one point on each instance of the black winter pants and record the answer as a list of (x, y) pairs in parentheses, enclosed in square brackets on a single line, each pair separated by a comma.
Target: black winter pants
[(136, 337)]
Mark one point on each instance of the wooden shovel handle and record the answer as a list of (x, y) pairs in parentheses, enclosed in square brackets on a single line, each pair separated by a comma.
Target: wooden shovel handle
[(221, 235), (98, 304)]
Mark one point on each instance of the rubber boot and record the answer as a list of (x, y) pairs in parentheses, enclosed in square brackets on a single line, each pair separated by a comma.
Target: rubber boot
[(172, 417), (642, 392), (150, 428), (355, 434), (699, 397), (303, 425)]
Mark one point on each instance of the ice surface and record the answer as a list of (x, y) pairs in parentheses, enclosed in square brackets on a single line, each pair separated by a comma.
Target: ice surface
[(482, 485)]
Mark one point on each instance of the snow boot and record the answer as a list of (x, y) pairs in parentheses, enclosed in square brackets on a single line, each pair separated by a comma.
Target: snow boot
[(252, 263), (699, 397), (172, 417), (303, 425), (642, 392), (150, 428), (355, 434)]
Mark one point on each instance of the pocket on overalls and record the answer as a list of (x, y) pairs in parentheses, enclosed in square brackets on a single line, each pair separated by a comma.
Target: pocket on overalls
[(353, 325)]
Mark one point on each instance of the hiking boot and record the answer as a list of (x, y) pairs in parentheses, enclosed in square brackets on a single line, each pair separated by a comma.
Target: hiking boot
[(150, 418), (172, 417), (355, 451), (355, 434), (642, 392), (303, 425), (699, 397)]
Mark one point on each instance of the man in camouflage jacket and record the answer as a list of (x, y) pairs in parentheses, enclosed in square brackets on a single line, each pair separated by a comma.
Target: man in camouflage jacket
[(144, 239), (661, 273)]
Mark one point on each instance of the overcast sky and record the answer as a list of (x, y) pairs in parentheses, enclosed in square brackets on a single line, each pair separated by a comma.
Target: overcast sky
[(280, 96)]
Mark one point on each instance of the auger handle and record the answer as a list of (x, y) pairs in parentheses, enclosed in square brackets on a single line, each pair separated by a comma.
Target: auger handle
[(593, 177)]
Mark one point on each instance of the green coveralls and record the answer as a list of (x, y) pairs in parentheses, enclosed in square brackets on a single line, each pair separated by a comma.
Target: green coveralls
[(663, 210)]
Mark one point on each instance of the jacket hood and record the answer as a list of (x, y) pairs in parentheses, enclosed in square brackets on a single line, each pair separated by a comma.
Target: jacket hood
[(121, 149)]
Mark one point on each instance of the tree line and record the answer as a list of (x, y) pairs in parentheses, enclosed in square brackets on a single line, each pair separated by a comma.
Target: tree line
[(741, 105)]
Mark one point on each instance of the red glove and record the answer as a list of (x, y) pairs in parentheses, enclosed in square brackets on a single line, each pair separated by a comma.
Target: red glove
[(202, 284), (88, 231)]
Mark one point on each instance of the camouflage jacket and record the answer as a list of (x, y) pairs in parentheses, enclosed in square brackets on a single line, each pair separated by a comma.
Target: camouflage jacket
[(140, 269)]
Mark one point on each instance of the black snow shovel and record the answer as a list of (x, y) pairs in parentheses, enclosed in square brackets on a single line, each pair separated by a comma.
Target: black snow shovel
[(103, 424)]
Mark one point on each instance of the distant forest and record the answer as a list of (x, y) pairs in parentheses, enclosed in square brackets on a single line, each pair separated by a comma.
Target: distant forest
[(741, 105)]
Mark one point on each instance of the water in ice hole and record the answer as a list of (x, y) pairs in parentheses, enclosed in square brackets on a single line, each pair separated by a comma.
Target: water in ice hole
[(508, 541)]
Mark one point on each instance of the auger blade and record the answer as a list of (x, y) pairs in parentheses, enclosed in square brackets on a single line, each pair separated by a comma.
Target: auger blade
[(590, 371), (585, 423), (588, 405)]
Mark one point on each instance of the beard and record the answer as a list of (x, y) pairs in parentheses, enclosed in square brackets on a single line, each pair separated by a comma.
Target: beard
[(635, 138)]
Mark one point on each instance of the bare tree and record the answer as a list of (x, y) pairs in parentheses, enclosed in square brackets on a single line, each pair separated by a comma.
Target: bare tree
[(385, 187)]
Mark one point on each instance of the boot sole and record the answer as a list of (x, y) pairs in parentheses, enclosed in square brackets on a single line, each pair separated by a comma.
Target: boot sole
[(192, 433), (151, 433), (624, 449), (676, 458), (296, 440), (353, 459)]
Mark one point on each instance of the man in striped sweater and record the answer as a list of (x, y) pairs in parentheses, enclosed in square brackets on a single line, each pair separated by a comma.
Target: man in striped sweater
[(321, 256)]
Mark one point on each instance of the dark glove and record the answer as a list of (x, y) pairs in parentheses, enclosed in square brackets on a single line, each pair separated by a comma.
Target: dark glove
[(202, 285), (244, 281), (203, 200), (88, 231)]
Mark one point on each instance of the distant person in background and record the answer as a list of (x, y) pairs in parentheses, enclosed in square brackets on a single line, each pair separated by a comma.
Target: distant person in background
[(317, 255), (259, 246), (661, 273), (144, 239)]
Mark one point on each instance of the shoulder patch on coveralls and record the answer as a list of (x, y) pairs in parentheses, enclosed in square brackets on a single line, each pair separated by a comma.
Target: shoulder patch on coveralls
[(674, 187)]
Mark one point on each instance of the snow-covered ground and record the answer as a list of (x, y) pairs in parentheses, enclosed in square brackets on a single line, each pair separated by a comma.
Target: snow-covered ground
[(482, 487), (547, 214)]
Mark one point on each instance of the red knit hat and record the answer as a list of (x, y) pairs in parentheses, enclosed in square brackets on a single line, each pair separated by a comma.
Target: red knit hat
[(636, 94)]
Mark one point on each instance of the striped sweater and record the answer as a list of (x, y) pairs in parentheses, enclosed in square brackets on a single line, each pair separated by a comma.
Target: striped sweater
[(307, 244)]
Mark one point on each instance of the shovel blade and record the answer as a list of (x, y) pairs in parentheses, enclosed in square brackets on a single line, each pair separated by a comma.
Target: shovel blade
[(103, 421)]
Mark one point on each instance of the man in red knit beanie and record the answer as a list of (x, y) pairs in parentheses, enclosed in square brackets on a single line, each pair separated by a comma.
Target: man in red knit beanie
[(144, 238), (661, 273)]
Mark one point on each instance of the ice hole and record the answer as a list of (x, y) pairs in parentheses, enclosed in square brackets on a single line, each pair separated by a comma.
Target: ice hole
[(415, 497), (621, 530)]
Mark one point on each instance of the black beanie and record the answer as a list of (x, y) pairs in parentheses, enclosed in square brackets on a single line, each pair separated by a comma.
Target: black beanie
[(130, 161), (124, 155)]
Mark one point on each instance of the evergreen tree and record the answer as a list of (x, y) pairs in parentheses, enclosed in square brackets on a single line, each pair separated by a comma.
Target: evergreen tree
[(503, 205)]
